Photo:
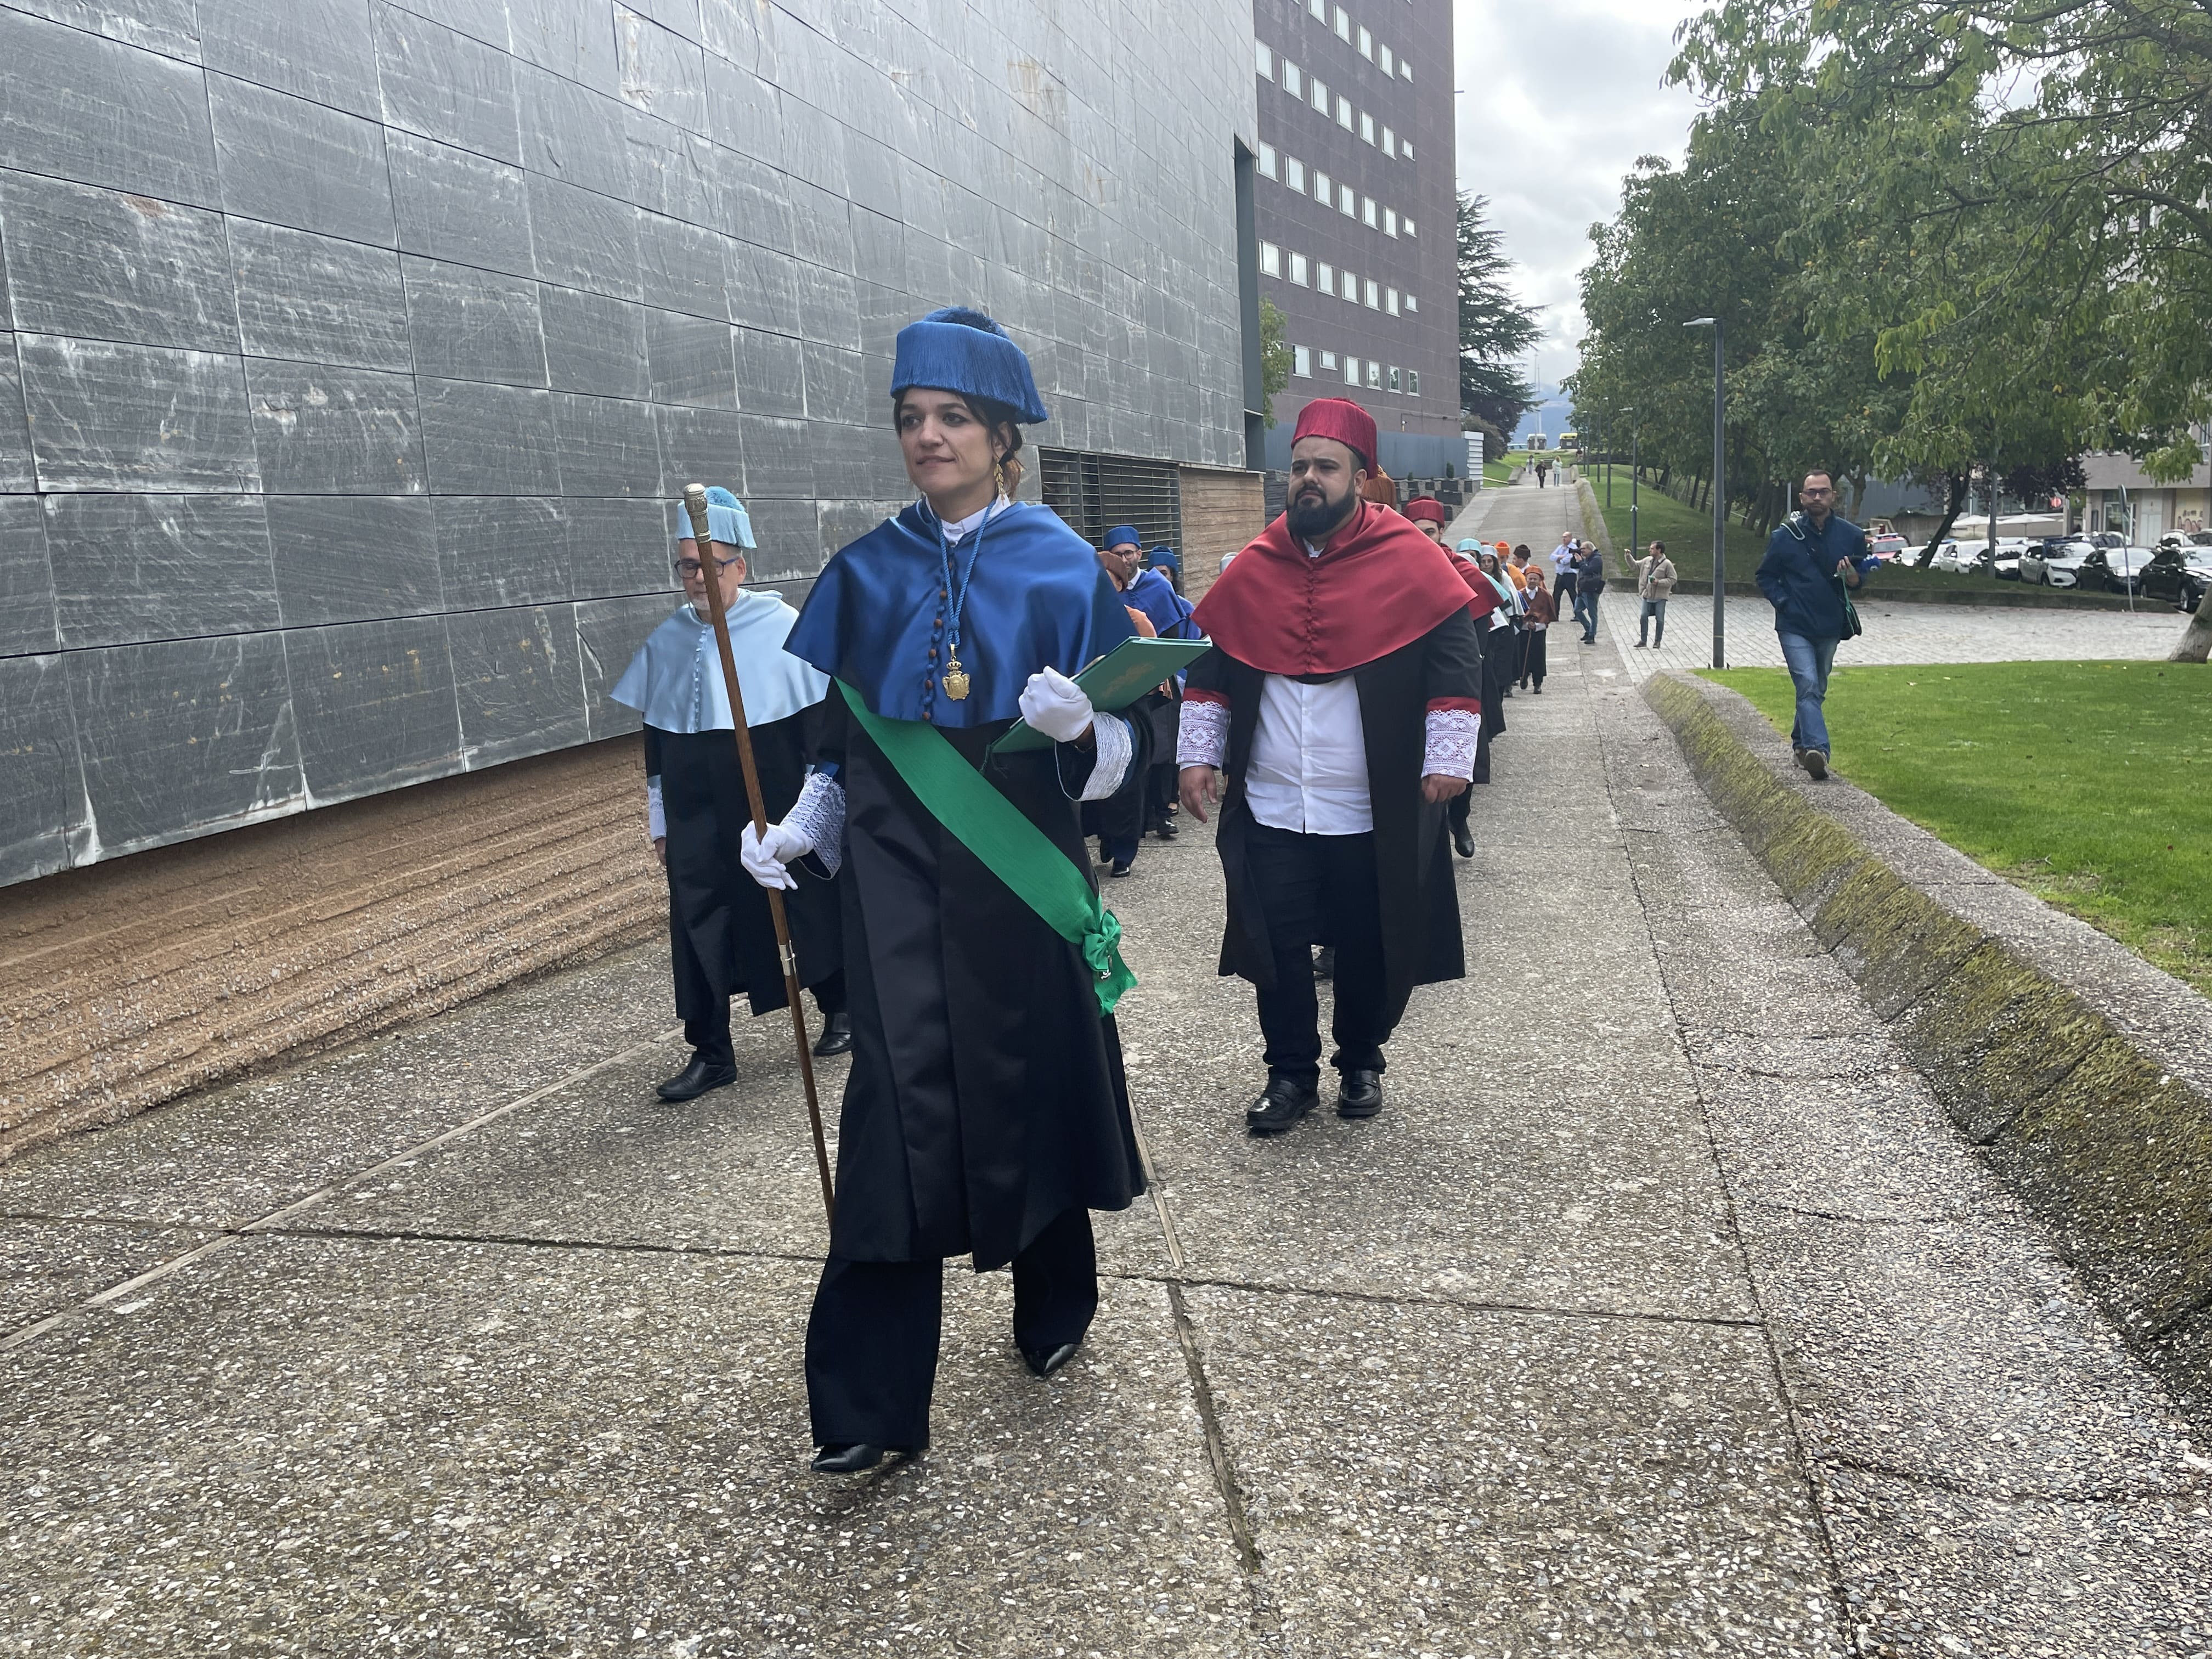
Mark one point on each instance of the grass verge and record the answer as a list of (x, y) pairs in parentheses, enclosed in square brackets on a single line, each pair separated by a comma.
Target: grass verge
[(2089, 784)]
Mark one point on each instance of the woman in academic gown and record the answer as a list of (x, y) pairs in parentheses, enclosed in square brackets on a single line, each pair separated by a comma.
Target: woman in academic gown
[(721, 939), (987, 1114)]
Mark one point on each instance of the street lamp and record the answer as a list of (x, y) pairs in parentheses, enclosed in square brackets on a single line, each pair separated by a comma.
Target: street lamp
[(1720, 486)]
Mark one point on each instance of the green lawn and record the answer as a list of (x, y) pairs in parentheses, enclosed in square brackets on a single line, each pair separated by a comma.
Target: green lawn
[(2089, 784)]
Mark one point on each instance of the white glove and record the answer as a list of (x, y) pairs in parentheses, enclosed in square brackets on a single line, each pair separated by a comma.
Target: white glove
[(1056, 706), (764, 859)]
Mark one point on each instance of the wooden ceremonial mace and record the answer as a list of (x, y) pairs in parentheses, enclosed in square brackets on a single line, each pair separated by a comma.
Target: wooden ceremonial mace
[(695, 508)]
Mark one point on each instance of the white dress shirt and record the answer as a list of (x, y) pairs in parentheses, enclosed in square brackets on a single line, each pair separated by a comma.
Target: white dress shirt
[(1308, 768)]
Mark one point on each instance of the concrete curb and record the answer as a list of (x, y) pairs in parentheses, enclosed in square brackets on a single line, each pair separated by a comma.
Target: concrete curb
[(2079, 1115)]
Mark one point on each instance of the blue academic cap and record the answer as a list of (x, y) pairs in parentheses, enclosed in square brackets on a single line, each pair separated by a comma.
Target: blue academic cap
[(727, 521), (1164, 555), (1123, 533), (955, 348)]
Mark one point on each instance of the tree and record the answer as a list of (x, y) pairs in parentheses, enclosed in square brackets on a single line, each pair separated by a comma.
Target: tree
[(1274, 357), (1494, 329)]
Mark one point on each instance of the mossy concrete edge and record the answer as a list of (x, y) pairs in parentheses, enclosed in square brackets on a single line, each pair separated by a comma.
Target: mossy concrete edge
[(2110, 1152)]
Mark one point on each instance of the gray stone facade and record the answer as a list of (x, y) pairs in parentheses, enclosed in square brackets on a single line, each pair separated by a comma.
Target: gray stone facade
[(356, 348)]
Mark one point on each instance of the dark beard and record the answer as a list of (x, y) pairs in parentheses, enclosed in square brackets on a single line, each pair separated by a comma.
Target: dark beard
[(1318, 520)]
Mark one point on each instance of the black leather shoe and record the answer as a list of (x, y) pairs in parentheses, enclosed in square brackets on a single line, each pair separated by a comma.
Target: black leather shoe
[(1463, 842), (1165, 830), (837, 1037), (1044, 1364), (1121, 868), (1359, 1094), (695, 1080), (1325, 963), (1285, 1101), (846, 1460)]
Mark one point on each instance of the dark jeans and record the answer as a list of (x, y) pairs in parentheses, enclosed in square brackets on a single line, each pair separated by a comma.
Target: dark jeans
[(872, 1339), (708, 1028), (1321, 890), (1586, 611), (1654, 612)]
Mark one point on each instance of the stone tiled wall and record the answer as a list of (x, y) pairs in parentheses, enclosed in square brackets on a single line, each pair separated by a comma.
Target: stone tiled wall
[(356, 348)]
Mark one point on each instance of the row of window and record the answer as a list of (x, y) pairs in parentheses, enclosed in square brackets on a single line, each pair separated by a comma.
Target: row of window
[(1375, 376), (1330, 193), (1312, 89), (1326, 279), (1369, 48)]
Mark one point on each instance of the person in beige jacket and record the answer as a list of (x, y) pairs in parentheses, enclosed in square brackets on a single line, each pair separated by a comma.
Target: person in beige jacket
[(1654, 581)]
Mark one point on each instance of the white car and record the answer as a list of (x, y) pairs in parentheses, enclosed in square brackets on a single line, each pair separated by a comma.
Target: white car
[(1957, 560), (2055, 564)]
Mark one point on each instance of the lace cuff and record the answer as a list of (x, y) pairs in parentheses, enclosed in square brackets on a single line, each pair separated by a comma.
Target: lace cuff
[(1452, 736), (656, 817), (818, 814), (1202, 733), (1115, 745)]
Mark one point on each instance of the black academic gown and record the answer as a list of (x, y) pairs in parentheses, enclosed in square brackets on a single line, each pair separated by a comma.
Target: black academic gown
[(986, 1095), (722, 938), (1421, 943)]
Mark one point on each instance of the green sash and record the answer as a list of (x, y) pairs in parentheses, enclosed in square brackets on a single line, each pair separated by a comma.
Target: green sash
[(1011, 847)]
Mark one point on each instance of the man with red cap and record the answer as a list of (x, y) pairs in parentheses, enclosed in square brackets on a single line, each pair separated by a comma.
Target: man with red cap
[(1342, 700), (1429, 517)]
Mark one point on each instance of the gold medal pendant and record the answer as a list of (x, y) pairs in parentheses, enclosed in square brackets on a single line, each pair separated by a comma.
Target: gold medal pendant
[(956, 680)]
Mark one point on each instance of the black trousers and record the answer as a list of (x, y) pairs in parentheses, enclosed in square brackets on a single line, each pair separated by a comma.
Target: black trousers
[(706, 1016), (1321, 890), (872, 1339)]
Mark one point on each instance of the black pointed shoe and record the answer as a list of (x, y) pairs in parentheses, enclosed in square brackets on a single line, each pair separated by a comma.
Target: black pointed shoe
[(1359, 1094), (694, 1080), (855, 1459), (1284, 1101), (1463, 842), (837, 1037), (1046, 1363)]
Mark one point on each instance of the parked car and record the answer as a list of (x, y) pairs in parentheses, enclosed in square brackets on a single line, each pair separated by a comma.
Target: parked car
[(2115, 569), (2179, 575), (2103, 539), (2057, 564), (1888, 545), (1959, 560)]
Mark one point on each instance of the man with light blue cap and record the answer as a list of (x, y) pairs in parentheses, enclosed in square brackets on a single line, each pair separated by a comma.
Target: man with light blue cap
[(721, 937)]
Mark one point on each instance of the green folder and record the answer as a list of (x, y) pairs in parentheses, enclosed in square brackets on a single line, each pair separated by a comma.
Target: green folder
[(1117, 680)]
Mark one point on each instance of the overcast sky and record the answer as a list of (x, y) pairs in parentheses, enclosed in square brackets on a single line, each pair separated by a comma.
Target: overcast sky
[(1561, 96)]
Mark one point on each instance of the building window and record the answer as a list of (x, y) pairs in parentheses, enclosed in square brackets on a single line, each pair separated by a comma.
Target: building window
[(1298, 270), (1405, 69), (1271, 259), (1302, 361), (1352, 371), (1320, 10), (1408, 226), (1390, 294), (1388, 68), (1413, 381), (1328, 362), (1343, 24), (1389, 142), (1319, 90), (1389, 215), (1293, 83), (1374, 375), (1294, 174), (1325, 278), (1344, 112), (1367, 126), (1268, 160), (1411, 304), (1351, 289), (1373, 288), (1405, 150), (1263, 60), (1394, 379), (1324, 192), (1344, 201), (1366, 45), (1367, 211)]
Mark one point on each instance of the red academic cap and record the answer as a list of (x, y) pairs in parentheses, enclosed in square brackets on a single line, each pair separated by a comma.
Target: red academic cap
[(1341, 419), (1426, 506)]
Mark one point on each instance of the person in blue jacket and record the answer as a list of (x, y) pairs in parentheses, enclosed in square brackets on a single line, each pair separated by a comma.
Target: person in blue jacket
[(1812, 558)]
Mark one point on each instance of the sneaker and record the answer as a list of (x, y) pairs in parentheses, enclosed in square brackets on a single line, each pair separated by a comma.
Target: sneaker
[(1816, 762)]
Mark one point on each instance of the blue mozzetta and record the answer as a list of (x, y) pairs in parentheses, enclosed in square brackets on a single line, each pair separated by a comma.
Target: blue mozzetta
[(957, 349), (675, 680)]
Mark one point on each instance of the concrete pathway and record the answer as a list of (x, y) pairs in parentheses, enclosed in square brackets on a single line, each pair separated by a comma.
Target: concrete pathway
[(1661, 1312)]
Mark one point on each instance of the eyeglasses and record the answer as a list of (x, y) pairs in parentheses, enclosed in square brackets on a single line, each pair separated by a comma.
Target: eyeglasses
[(1813, 489), (687, 569)]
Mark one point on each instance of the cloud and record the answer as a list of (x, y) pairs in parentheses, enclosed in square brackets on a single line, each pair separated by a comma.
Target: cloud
[(1559, 100)]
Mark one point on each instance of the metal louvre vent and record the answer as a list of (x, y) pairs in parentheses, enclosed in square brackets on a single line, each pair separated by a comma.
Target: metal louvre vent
[(1094, 493)]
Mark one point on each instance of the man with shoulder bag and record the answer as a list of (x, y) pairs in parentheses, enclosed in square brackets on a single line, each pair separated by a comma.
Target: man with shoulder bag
[(1814, 559)]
